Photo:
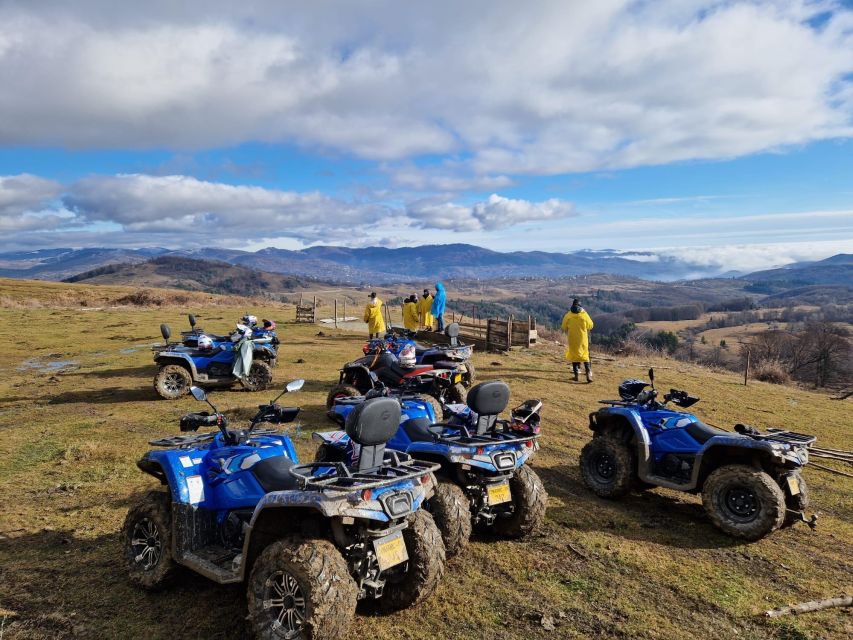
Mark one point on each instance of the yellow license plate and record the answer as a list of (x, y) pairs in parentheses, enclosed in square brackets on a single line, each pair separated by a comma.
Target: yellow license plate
[(457, 378), (793, 485), (390, 551), (498, 493)]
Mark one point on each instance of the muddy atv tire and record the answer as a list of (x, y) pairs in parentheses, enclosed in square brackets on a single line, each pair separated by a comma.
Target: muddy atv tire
[(529, 499), (172, 381), (340, 391), (608, 467), (259, 378), (327, 453), (147, 541), (797, 503), (743, 502), (425, 566), (301, 589), (456, 394), (470, 376), (452, 514)]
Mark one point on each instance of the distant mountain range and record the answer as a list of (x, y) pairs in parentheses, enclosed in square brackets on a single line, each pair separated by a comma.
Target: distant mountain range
[(380, 265), (176, 272)]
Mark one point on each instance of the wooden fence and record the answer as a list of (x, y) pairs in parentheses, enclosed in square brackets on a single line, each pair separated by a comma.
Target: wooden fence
[(306, 312), (492, 333)]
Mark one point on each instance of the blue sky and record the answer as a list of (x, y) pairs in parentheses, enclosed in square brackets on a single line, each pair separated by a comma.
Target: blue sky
[(712, 130)]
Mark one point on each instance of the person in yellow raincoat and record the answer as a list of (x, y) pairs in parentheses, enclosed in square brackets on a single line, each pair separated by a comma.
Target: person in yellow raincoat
[(410, 313), (425, 310), (373, 317), (576, 325)]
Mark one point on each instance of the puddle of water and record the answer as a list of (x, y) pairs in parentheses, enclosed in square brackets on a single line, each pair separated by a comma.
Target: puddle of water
[(32, 364)]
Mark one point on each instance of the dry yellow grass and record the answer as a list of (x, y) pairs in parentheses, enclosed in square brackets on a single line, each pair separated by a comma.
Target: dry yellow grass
[(649, 566)]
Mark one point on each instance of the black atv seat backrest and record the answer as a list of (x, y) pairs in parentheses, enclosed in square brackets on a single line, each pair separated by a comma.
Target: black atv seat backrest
[(487, 400), (371, 425), (452, 332)]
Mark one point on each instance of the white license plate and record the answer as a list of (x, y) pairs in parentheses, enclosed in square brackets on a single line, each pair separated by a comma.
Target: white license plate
[(390, 550), (793, 485), (498, 493)]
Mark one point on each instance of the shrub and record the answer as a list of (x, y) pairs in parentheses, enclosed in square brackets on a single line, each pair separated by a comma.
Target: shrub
[(141, 298), (771, 371)]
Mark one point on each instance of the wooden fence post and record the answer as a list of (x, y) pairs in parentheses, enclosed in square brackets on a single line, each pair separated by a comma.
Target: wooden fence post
[(746, 369), (336, 313), (345, 309), (509, 334)]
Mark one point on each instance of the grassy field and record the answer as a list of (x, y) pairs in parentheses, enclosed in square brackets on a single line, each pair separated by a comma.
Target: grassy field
[(77, 409)]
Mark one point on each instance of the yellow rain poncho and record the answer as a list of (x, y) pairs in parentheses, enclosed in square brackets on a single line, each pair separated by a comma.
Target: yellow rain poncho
[(410, 316), (577, 326), (373, 316), (425, 311)]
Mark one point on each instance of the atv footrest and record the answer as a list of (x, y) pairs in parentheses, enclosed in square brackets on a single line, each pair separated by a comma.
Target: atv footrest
[(214, 562)]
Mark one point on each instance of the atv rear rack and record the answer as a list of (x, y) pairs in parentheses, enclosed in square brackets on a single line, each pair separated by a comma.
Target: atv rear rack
[(340, 477), (466, 439)]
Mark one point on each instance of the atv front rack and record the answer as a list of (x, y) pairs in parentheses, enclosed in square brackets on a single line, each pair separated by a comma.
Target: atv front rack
[(191, 440), (777, 435), (339, 477)]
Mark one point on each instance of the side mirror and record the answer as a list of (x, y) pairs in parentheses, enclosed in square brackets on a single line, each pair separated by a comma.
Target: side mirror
[(165, 331), (295, 385), (198, 393), (191, 318)]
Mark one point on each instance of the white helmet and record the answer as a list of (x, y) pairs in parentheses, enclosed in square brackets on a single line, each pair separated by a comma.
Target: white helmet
[(249, 320), (407, 357), (205, 343), (240, 332)]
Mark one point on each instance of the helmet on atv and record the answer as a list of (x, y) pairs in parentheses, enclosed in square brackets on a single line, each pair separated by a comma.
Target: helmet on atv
[(249, 320), (205, 343), (407, 356), (630, 389)]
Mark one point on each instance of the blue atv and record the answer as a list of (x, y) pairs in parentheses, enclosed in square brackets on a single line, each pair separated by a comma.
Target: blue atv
[(441, 356), (180, 367), (750, 481), (309, 540), (484, 481)]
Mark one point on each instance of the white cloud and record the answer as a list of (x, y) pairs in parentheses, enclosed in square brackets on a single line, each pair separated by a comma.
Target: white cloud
[(496, 212), (571, 86), (186, 204), (756, 257), (25, 193)]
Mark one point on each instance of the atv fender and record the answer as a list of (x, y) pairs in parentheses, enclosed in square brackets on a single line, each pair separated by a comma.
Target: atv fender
[(176, 357), (358, 375), (721, 450)]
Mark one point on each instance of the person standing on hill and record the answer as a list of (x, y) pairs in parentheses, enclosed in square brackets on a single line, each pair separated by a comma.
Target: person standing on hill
[(373, 316), (576, 325), (425, 310), (439, 302), (410, 312)]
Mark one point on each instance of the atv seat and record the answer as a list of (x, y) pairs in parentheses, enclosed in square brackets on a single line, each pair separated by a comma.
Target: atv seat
[(273, 474), (371, 425), (421, 430), (445, 364), (487, 400), (701, 432)]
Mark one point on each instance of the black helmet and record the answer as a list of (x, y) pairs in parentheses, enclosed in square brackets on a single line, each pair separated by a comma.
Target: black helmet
[(630, 389)]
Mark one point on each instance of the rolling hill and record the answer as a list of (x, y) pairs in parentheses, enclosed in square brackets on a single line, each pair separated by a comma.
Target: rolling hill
[(193, 275)]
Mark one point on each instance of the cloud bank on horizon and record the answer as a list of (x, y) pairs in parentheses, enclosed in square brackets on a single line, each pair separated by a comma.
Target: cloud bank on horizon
[(487, 120)]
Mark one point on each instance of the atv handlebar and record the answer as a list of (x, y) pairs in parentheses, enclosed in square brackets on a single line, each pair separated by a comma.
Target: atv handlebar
[(193, 421)]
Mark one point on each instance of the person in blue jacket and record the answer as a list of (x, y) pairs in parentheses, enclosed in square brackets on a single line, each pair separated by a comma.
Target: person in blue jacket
[(438, 304)]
